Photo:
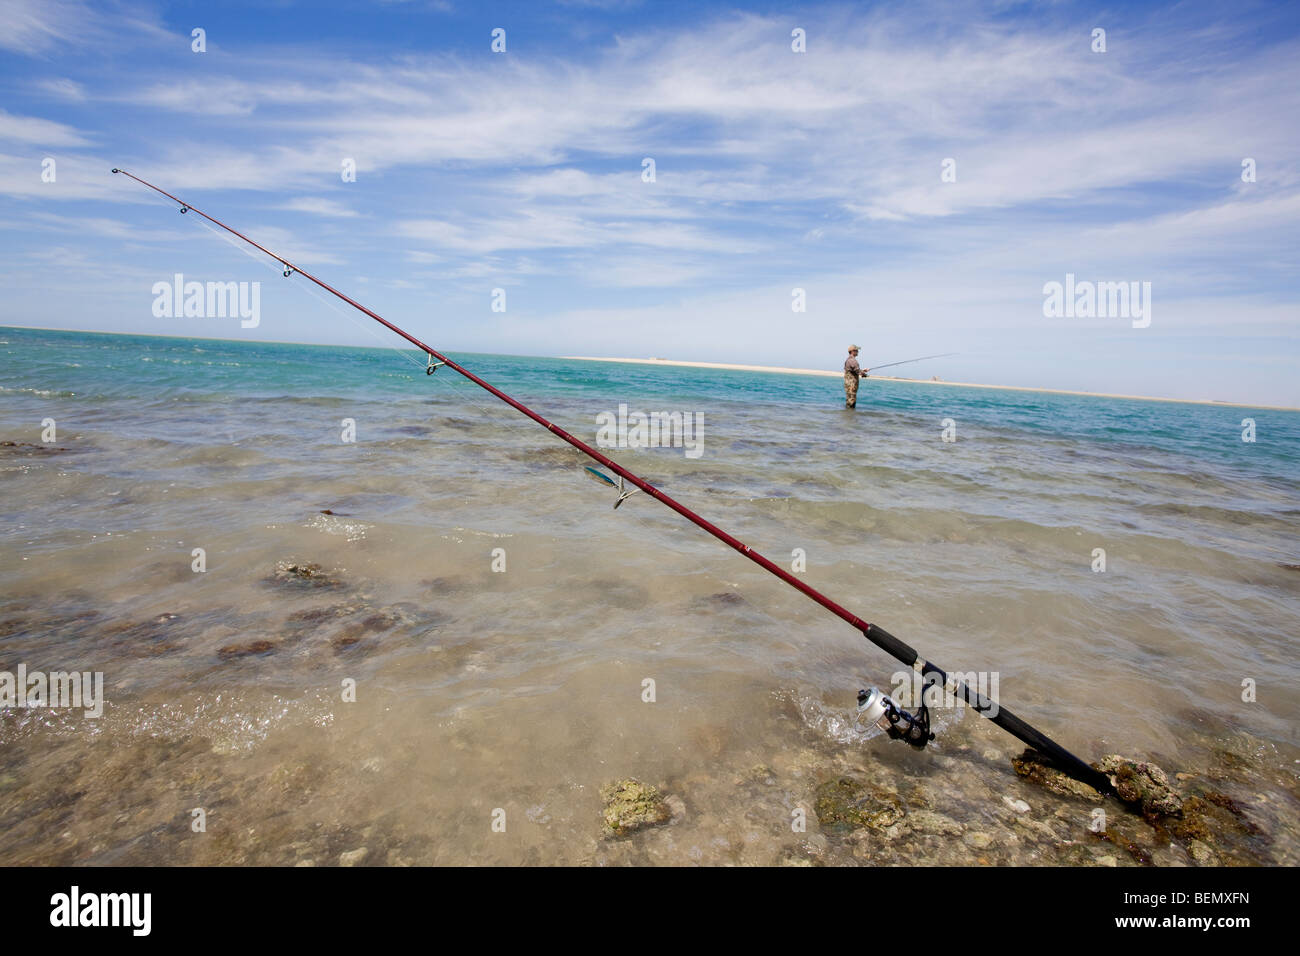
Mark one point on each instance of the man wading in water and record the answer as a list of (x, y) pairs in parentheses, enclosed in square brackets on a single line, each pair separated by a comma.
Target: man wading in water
[(852, 372)]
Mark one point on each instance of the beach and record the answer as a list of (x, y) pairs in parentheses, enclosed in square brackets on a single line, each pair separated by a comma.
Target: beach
[(414, 608)]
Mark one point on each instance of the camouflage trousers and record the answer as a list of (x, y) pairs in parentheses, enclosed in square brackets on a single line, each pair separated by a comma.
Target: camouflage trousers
[(850, 390)]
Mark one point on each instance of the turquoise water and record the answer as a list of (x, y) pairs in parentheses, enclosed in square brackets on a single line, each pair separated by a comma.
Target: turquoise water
[(521, 685), (95, 368)]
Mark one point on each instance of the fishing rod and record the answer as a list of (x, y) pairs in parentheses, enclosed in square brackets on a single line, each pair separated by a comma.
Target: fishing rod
[(910, 361), (875, 706)]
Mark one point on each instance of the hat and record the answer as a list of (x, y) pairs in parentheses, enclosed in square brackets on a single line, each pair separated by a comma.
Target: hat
[(854, 348)]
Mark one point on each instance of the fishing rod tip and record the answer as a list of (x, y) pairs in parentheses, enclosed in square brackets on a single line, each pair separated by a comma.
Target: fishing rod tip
[(116, 170)]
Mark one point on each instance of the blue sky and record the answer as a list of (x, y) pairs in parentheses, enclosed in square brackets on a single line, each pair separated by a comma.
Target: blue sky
[(774, 170)]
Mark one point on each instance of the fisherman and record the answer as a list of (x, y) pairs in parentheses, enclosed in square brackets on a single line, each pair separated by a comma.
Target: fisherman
[(852, 372)]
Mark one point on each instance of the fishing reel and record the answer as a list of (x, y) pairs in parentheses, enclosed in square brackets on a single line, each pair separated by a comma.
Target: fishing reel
[(876, 707)]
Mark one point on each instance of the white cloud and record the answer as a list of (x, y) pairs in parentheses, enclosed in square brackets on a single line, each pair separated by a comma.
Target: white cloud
[(39, 132), (62, 88), (41, 27), (319, 206)]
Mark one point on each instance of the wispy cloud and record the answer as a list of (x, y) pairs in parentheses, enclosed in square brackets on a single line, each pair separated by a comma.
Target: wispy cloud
[(39, 132), (41, 28), (319, 206)]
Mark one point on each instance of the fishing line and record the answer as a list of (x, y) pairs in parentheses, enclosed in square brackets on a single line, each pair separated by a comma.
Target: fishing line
[(387, 345), (913, 728), (910, 361), (461, 389)]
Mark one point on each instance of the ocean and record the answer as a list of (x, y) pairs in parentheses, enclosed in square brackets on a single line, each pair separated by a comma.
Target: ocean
[(483, 642)]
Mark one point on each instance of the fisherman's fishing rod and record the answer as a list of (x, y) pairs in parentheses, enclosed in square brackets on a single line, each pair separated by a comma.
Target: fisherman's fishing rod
[(910, 361), (876, 706)]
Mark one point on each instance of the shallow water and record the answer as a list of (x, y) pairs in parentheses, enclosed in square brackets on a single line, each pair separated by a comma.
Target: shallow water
[(522, 690)]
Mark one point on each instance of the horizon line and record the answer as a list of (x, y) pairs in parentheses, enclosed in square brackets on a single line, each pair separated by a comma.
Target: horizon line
[(683, 363)]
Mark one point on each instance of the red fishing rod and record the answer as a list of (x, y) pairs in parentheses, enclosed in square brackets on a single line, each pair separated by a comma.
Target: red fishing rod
[(878, 707)]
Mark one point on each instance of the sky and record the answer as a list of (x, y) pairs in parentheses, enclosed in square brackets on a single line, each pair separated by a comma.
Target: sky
[(921, 171)]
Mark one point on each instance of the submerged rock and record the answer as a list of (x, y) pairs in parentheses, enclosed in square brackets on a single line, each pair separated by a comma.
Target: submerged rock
[(934, 824), (1140, 854), (317, 616), (631, 805), (303, 575), (146, 637), (759, 773), (1036, 768), (846, 802), (355, 631), (1207, 822), (1143, 784), (721, 599), (245, 650), (1207, 817), (29, 448), (354, 857)]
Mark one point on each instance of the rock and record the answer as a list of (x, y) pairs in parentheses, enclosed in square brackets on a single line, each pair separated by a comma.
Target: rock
[(721, 599), (759, 773), (153, 636), (977, 840), (897, 831), (375, 623), (316, 616), (1017, 805), (1035, 768), (815, 845), (29, 448), (1144, 784), (677, 807), (1208, 814), (1141, 854), (1202, 853), (847, 803), (1107, 861), (245, 650), (303, 575), (353, 857), (1038, 827), (305, 863), (927, 821), (292, 778), (860, 844), (631, 805)]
